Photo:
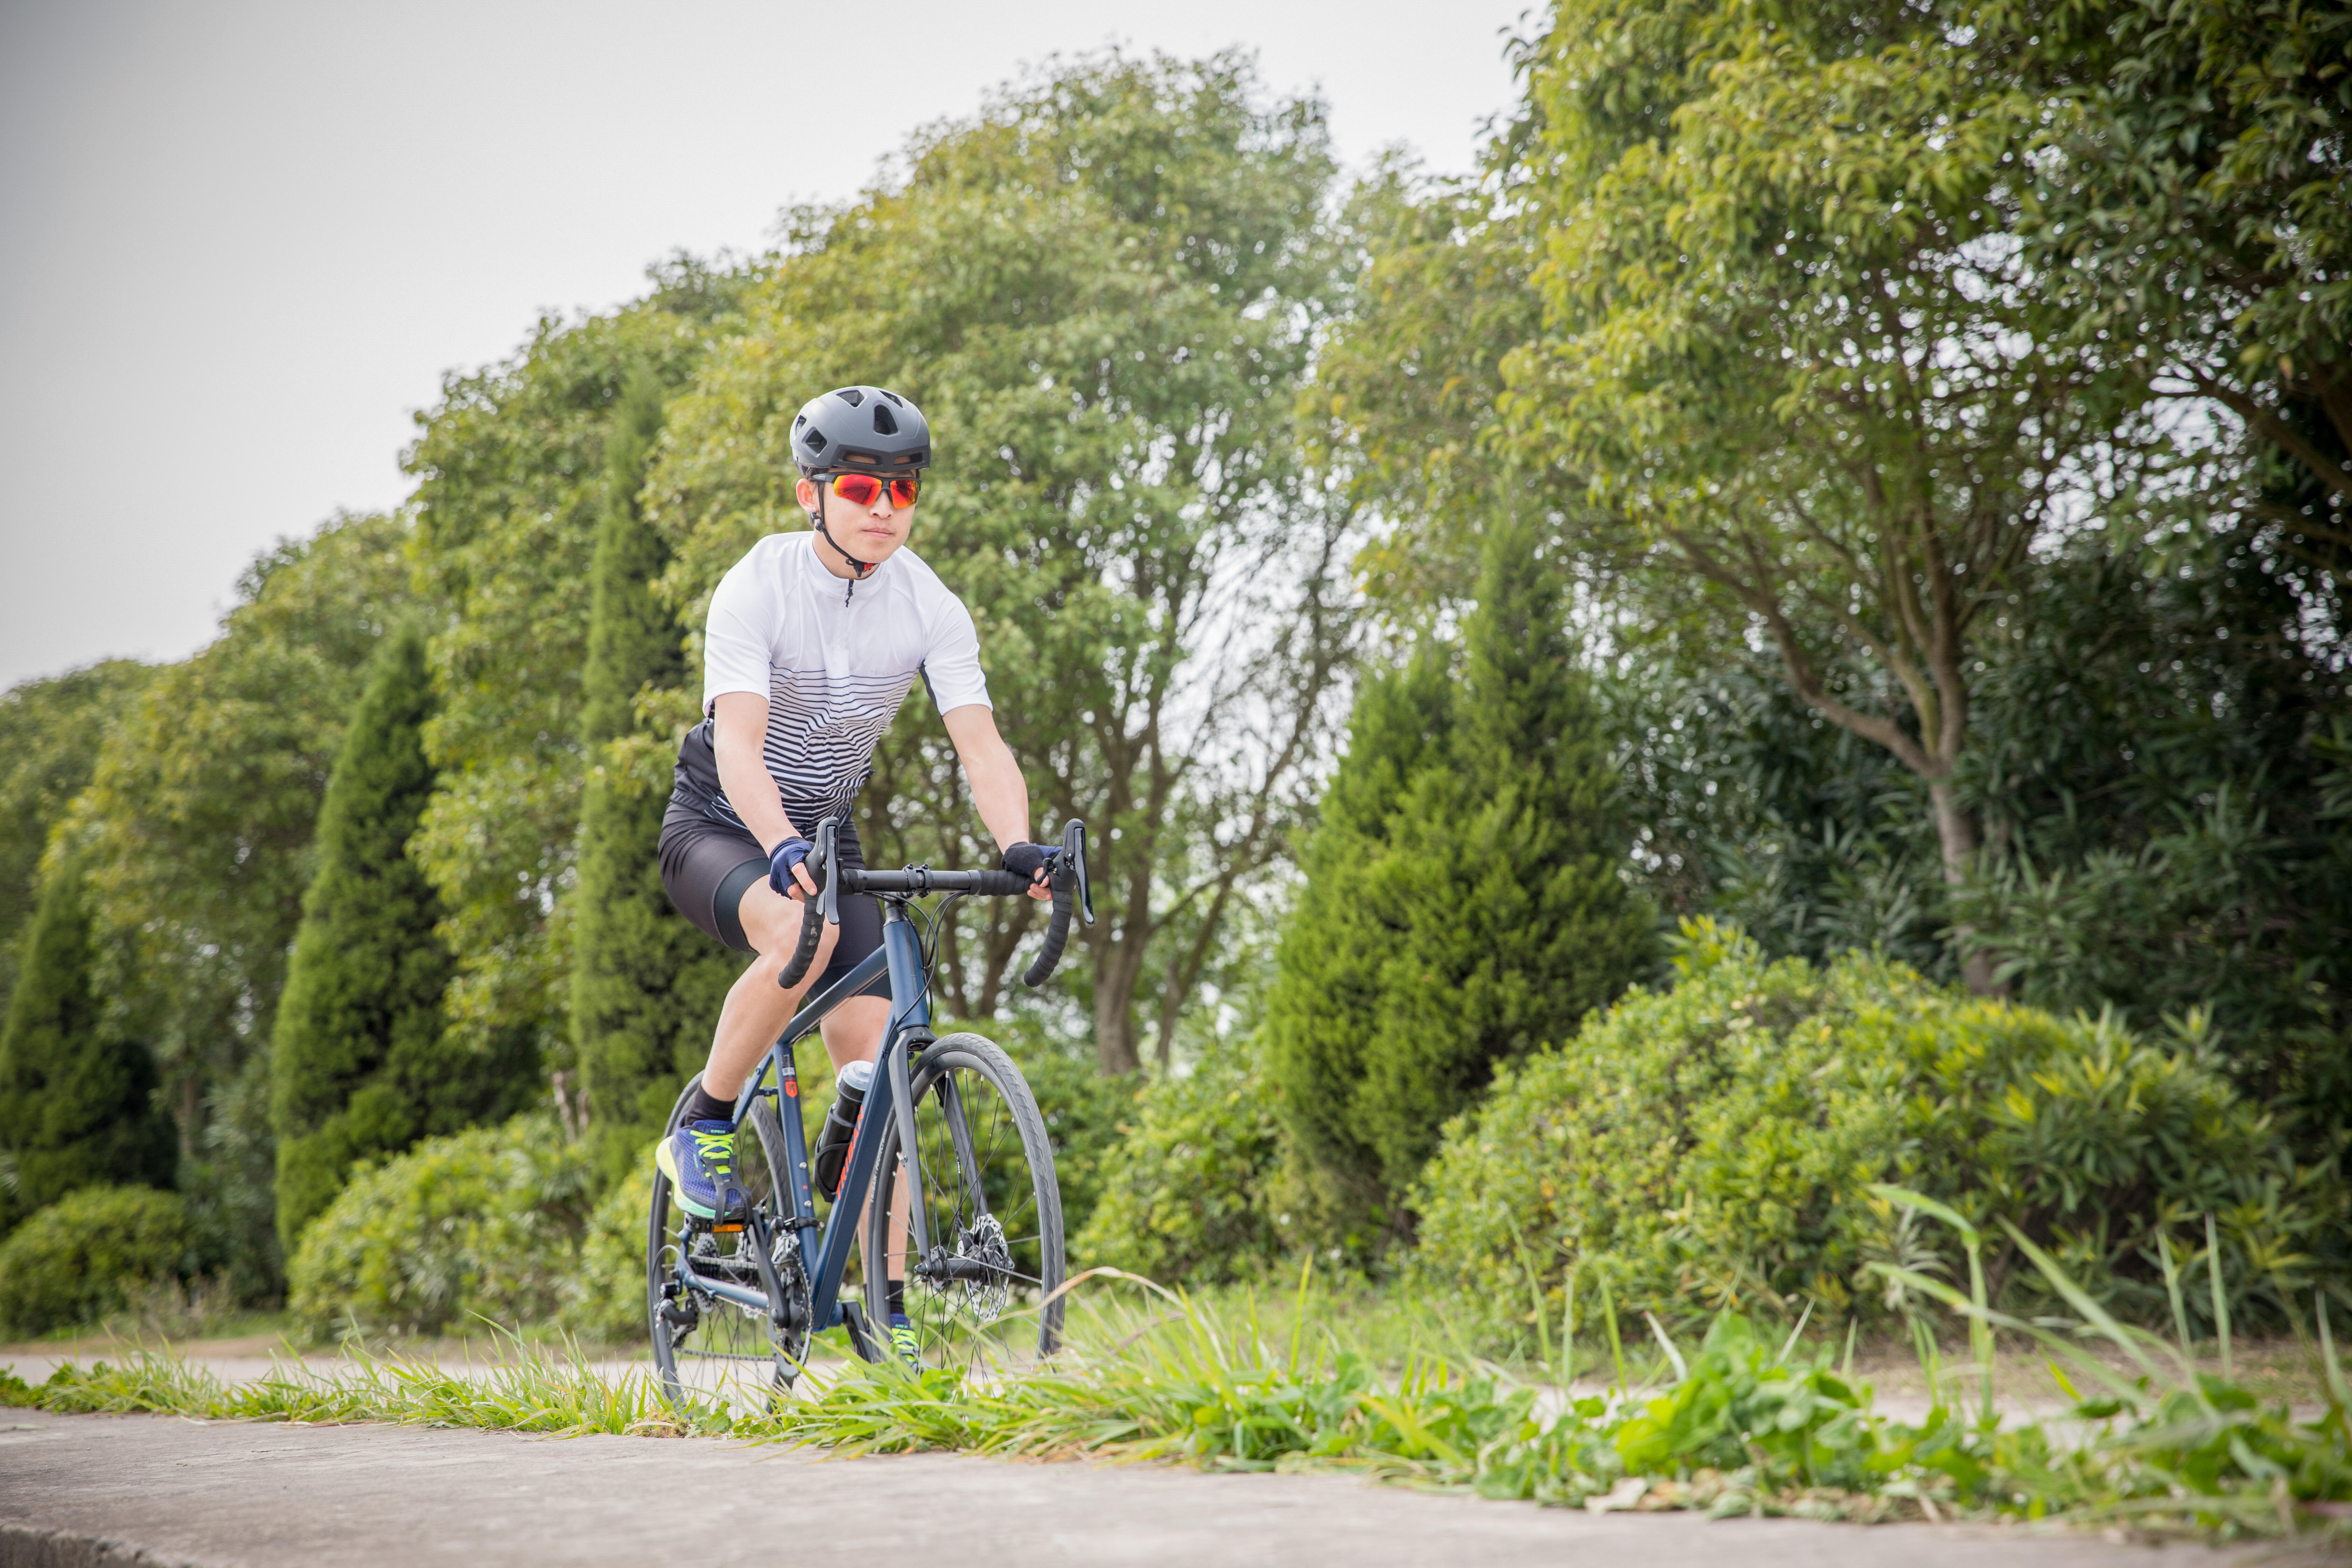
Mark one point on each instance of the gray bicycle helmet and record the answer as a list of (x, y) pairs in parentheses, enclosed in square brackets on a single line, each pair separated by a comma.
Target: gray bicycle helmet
[(864, 427)]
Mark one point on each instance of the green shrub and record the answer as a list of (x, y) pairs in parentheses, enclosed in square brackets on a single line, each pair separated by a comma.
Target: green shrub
[(1085, 1117), (1712, 1146), (487, 1223), (604, 1301), (1186, 1193), (87, 1254)]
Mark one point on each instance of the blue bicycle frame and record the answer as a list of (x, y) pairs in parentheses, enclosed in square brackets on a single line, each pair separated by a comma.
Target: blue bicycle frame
[(825, 1254)]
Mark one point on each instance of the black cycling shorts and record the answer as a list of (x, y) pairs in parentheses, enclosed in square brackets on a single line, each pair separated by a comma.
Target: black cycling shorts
[(707, 864)]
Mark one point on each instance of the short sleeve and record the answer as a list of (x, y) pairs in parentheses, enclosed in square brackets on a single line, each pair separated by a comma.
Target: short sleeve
[(739, 640), (951, 665)]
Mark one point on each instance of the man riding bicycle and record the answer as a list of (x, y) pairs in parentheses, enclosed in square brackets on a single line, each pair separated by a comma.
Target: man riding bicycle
[(812, 643)]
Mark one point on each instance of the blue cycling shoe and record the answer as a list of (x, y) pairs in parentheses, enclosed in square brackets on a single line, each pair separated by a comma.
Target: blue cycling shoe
[(700, 1161)]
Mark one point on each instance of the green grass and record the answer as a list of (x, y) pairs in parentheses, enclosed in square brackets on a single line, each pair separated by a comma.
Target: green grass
[(1738, 1422)]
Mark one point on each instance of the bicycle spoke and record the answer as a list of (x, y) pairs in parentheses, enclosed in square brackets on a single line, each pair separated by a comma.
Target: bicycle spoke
[(977, 1300)]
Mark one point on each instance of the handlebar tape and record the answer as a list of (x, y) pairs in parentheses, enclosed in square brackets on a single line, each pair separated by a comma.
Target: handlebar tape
[(1056, 933), (822, 865), (812, 931)]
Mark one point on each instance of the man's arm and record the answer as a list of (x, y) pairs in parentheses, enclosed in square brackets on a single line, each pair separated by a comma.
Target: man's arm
[(998, 790), (739, 734)]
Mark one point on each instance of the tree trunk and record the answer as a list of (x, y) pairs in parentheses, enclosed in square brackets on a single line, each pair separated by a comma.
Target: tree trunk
[(1115, 1008), (1955, 836)]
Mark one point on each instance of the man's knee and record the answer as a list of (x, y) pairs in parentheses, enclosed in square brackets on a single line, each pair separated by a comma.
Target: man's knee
[(771, 923)]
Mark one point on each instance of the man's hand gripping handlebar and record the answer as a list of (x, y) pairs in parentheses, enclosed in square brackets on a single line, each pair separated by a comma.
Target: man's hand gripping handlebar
[(1067, 868)]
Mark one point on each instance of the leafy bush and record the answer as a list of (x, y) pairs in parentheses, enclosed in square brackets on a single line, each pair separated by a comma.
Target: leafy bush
[(488, 1222), (1087, 1117), (604, 1301), (1712, 1146), (1185, 1193), (87, 1254)]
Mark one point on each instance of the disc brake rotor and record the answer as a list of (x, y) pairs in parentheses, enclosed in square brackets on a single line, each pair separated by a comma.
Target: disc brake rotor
[(983, 1299)]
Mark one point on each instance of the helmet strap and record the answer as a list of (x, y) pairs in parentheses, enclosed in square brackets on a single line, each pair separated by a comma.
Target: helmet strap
[(864, 569)]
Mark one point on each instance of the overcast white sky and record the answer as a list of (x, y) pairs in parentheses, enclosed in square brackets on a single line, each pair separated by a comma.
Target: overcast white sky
[(242, 242)]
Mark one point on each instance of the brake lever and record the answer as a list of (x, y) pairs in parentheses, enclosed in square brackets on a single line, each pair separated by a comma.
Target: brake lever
[(828, 849), (1073, 856)]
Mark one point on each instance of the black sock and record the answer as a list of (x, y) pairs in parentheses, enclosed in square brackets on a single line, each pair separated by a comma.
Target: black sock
[(701, 1107), (897, 1295)]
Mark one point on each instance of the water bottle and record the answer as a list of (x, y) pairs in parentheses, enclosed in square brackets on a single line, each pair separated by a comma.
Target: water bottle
[(840, 1125)]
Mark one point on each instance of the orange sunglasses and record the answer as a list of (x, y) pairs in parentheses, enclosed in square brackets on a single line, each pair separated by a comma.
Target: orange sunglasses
[(859, 489)]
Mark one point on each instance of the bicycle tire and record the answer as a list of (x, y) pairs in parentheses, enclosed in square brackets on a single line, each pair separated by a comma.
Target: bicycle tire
[(723, 1333), (957, 1322)]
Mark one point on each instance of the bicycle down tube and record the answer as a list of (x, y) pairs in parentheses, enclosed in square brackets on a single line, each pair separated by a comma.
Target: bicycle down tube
[(825, 1254)]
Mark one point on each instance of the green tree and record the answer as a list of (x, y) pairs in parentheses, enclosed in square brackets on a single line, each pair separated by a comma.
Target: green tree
[(48, 732), (1104, 290), (77, 1100), (1326, 995), (360, 1062), (644, 983), (197, 828), (1797, 355), (2202, 215), (1489, 907), (511, 472)]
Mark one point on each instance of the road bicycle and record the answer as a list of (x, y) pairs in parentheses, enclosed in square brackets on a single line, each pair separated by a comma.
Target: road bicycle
[(948, 1121)]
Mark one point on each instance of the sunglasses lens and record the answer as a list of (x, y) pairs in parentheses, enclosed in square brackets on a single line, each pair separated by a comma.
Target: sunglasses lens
[(860, 490)]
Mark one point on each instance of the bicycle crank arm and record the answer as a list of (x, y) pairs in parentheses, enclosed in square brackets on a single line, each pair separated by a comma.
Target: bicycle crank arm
[(780, 1304)]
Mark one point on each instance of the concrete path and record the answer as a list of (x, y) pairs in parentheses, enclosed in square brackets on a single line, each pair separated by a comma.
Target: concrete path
[(93, 1491)]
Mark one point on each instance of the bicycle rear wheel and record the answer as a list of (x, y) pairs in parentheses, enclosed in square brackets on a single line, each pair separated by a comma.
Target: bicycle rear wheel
[(704, 1345), (993, 1210)]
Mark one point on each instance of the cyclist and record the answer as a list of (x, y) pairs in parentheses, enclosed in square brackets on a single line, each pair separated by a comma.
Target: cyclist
[(813, 641)]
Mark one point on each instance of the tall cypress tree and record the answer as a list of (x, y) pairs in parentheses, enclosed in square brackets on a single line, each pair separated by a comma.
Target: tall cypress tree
[(645, 984), (1338, 941), (1507, 865), (1482, 912), (77, 1105), (360, 1062)]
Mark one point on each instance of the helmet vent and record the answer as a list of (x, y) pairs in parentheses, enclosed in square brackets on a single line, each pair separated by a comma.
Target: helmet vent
[(851, 395), (885, 422), (816, 440), (895, 398)]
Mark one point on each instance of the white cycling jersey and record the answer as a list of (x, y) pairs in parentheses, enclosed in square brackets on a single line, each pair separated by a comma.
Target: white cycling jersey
[(834, 659)]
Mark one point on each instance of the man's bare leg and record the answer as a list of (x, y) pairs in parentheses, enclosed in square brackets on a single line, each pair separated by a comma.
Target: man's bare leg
[(853, 1033), (757, 1008)]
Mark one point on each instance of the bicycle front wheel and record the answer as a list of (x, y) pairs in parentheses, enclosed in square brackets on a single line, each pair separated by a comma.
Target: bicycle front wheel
[(985, 1296)]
